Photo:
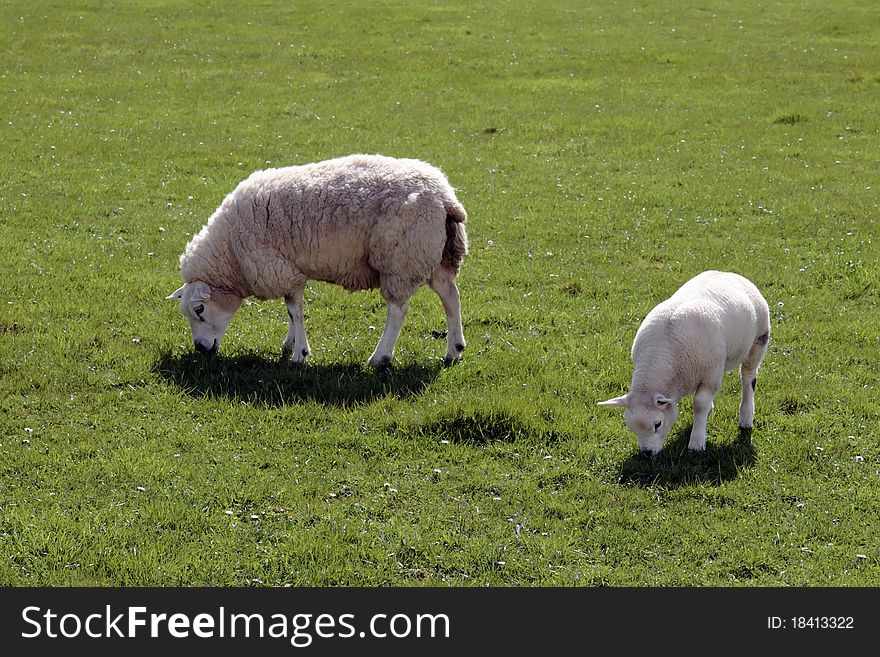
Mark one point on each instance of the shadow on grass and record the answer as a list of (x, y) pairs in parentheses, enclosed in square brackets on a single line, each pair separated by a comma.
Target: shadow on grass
[(275, 383), (677, 466), (479, 428)]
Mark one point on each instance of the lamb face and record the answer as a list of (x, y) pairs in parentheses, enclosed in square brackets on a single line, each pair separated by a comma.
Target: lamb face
[(208, 312), (649, 417)]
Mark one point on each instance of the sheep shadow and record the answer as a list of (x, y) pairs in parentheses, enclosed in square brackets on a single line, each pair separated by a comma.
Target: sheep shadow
[(253, 379), (479, 428), (676, 466)]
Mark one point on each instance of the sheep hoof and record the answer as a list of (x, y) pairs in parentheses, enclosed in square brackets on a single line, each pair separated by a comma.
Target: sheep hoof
[(300, 357), (381, 364), (454, 356)]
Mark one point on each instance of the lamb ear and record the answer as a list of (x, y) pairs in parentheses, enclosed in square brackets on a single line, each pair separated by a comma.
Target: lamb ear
[(177, 293), (617, 401), (662, 400), (201, 292)]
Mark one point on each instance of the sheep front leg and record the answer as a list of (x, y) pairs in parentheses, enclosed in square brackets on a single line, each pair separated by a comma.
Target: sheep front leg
[(703, 405), (385, 349), (296, 341), (443, 283)]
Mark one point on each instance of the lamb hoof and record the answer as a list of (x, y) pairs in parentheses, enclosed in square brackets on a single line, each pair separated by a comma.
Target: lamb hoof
[(300, 357), (454, 356), (381, 364)]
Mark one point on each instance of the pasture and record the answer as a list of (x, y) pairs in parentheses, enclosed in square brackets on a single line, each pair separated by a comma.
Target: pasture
[(605, 152)]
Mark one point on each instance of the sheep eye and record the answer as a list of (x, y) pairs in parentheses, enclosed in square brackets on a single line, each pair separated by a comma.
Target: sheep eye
[(198, 310), (657, 425)]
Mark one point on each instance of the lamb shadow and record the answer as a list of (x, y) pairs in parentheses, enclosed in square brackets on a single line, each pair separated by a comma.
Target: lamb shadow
[(256, 380), (676, 466)]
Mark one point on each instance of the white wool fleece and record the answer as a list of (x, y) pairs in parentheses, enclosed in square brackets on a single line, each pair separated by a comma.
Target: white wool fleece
[(343, 221), (713, 323), (360, 221)]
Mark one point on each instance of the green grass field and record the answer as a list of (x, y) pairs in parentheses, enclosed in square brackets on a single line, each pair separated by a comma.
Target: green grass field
[(605, 151)]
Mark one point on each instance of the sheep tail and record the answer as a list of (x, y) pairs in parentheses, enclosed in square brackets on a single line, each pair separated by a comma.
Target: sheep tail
[(455, 211), (456, 246)]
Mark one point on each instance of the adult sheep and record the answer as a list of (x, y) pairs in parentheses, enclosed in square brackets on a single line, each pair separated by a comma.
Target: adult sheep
[(360, 221), (713, 323)]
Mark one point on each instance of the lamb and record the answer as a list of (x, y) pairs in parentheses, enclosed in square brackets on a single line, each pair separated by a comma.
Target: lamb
[(714, 322), (359, 221)]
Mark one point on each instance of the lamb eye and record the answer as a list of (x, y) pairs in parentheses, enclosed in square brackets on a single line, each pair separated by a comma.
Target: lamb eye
[(198, 310), (657, 425)]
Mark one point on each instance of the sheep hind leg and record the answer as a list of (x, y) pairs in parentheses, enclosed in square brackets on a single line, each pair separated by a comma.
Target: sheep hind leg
[(748, 373), (384, 351), (443, 283), (296, 342)]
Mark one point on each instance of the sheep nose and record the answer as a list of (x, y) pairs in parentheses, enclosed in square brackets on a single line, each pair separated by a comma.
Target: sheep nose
[(648, 453), (206, 350)]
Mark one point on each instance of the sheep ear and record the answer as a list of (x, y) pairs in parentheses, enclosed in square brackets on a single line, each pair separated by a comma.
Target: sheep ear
[(617, 401), (177, 293), (201, 292), (662, 400)]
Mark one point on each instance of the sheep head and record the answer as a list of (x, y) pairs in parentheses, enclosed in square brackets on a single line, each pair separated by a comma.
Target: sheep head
[(208, 311), (649, 416)]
